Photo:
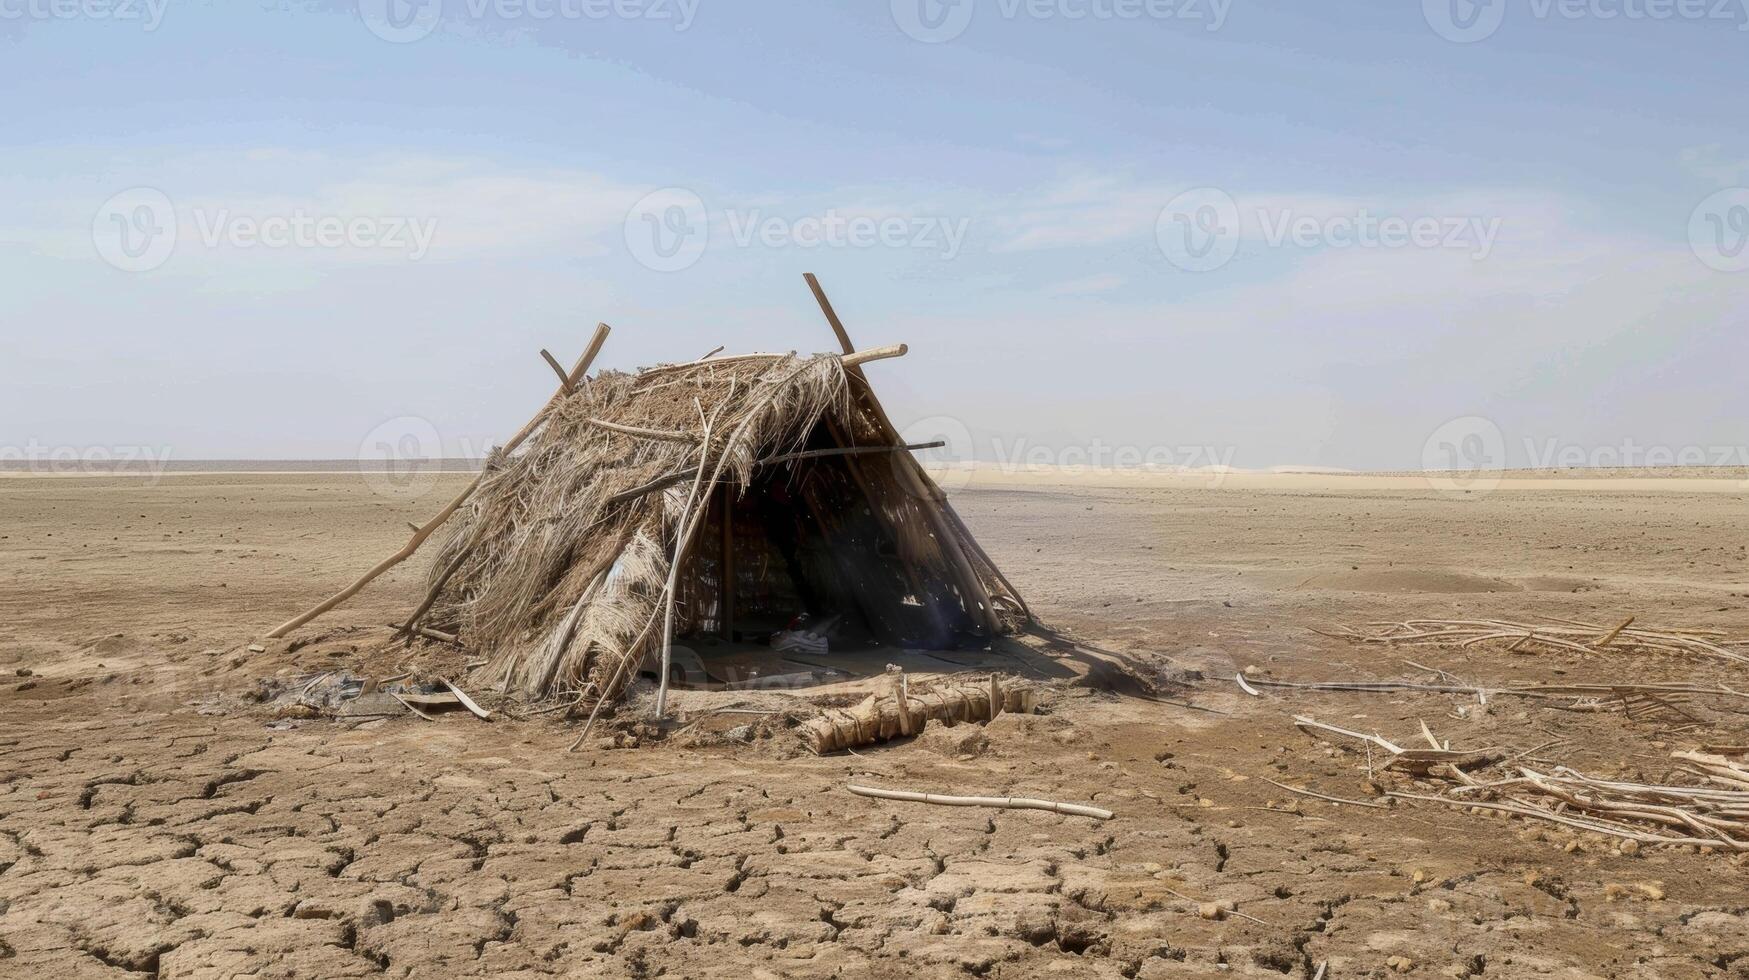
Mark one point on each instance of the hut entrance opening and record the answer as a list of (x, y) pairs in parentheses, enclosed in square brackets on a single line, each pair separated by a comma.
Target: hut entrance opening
[(828, 545)]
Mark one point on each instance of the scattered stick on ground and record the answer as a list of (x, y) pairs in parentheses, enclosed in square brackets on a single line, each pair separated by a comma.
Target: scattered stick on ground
[(997, 802), (1680, 815), (467, 702), (1321, 796), (1583, 638)]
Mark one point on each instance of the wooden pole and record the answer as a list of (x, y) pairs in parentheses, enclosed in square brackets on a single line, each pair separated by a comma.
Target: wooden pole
[(662, 435), (971, 587), (861, 357), (436, 590), (998, 802), (902, 695), (689, 523), (664, 482), (935, 492), (726, 569), (429, 527)]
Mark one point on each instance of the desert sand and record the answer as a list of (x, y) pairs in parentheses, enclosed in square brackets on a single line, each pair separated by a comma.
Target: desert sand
[(155, 823)]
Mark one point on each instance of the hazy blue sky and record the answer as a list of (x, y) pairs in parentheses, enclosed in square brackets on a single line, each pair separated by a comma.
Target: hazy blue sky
[(1000, 183)]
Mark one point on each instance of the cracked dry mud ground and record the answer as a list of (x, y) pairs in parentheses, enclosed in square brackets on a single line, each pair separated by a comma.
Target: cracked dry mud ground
[(139, 837)]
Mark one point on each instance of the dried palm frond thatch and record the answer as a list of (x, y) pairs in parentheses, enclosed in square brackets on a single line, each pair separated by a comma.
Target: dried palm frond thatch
[(562, 568)]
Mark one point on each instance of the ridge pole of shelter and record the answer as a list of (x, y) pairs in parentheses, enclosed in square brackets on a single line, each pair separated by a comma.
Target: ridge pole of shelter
[(423, 532), (934, 508)]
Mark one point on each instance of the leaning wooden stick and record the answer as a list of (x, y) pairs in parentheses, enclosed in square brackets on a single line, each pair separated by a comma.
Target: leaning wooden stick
[(977, 598), (426, 530), (996, 802), (664, 482), (853, 359), (1612, 634), (553, 362), (682, 538)]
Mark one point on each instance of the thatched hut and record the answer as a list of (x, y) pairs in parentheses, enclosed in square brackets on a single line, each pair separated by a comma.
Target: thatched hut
[(720, 497), (727, 497)]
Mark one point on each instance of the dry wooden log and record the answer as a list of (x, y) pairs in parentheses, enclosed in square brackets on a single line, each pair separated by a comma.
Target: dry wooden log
[(997, 802), (878, 719)]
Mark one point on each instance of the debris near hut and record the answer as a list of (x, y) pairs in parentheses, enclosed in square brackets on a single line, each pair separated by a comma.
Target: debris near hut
[(1667, 814), (906, 712), (1554, 636)]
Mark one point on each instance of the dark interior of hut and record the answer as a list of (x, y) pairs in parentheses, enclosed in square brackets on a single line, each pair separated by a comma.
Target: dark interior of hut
[(803, 574)]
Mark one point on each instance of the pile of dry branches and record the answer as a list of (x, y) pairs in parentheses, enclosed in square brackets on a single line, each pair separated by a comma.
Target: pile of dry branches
[(1646, 813), (1556, 635)]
